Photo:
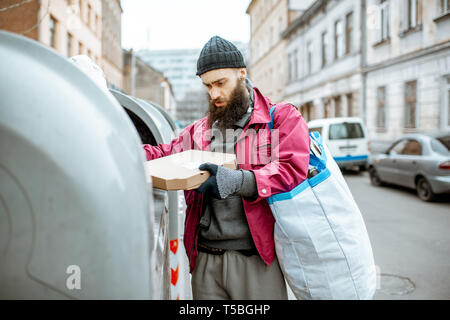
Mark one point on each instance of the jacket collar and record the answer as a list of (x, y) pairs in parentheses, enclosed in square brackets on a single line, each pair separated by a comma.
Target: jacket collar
[(261, 112)]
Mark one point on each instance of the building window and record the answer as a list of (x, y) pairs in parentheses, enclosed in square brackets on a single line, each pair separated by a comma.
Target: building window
[(412, 14), (289, 67), (381, 107), (80, 48), (280, 26), (97, 24), (292, 66), (89, 17), (384, 20), (337, 107), (259, 49), (445, 6), (326, 108), (53, 32), (295, 65), (69, 44), (271, 36), (348, 32), (309, 56), (82, 11), (305, 110), (338, 39), (349, 105), (447, 102), (324, 48), (410, 104)]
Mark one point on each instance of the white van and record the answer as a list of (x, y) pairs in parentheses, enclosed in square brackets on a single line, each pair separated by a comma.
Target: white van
[(346, 139)]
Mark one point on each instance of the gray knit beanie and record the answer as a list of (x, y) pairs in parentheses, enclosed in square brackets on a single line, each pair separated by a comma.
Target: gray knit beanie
[(219, 53)]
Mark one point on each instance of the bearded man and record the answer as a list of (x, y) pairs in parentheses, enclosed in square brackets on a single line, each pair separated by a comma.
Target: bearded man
[(229, 225)]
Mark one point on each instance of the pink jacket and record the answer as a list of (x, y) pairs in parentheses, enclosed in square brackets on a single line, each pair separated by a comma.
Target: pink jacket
[(280, 175)]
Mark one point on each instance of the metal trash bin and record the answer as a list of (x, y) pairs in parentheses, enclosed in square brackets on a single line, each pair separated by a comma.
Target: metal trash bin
[(155, 127), (166, 115), (72, 185)]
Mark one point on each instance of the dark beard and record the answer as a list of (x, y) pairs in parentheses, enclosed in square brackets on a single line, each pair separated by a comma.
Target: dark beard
[(228, 115)]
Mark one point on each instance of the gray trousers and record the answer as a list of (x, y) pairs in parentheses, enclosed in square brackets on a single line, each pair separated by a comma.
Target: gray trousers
[(234, 276)]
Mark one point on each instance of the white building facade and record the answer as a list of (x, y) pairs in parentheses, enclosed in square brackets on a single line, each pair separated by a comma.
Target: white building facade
[(408, 67), (268, 20), (386, 61), (324, 60)]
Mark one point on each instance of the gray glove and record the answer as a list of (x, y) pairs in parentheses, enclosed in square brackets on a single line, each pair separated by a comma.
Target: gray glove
[(222, 182)]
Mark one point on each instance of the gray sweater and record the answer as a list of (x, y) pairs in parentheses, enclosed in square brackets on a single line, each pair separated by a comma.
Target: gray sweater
[(224, 224)]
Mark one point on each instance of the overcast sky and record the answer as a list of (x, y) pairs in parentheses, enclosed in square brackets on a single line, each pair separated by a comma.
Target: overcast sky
[(182, 24)]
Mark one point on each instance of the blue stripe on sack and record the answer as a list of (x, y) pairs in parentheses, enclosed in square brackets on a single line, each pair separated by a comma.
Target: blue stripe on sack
[(350, 158), (272, 115), (314, 181)]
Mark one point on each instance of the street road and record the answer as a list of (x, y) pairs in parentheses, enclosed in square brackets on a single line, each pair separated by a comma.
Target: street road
[(410, 240)]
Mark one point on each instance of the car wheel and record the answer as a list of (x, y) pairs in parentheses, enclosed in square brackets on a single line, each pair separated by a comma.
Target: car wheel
[(374, 178), (424, 190)]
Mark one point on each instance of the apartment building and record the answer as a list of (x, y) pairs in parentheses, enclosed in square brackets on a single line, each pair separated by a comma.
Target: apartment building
[(268, 20), (385, 61), (71, 27), (142, 81), (112, 60), (323, 54), (408, 67)]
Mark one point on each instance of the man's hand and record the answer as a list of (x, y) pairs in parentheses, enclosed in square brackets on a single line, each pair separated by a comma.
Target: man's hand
[(222, 182)]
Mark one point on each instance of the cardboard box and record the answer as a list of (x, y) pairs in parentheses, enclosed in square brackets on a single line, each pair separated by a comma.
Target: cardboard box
[(180, 171)]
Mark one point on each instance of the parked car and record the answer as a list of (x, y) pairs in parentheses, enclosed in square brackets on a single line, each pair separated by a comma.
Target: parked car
[(419, 161), (346, 139)]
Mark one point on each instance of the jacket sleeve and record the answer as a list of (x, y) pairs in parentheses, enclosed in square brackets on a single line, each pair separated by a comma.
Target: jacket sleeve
[(248, 188), (290, 154), (182, 143)]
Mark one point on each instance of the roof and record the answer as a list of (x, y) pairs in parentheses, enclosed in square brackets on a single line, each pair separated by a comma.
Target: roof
[(304, 18), (249, 5)]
